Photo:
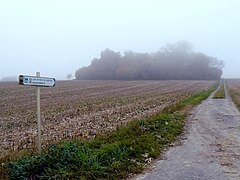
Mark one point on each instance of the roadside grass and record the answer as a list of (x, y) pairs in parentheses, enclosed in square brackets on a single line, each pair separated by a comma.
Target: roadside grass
[(11, 156), (220, 94), (235, 95), (112, 155)]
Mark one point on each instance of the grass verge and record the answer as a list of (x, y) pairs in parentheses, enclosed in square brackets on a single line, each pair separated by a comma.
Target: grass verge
[(112, 155), (220, 94), (235, 95)]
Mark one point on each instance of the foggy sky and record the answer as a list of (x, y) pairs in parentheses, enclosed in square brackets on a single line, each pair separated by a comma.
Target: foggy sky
[(56, 37)]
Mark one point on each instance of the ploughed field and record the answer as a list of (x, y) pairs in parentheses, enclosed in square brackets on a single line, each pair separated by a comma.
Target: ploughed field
[(82, 108)]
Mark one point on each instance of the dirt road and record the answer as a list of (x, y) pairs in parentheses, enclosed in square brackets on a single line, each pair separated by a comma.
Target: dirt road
[(210, 149)]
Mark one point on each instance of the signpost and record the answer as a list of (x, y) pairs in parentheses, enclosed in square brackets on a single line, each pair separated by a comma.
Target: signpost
[(36, 81), (39, 82)]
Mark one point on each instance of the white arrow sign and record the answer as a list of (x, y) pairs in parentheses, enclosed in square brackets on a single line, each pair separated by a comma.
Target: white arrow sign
[(36, 81)]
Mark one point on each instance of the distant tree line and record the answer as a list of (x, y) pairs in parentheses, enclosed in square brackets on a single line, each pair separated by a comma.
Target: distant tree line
[(172, 62)]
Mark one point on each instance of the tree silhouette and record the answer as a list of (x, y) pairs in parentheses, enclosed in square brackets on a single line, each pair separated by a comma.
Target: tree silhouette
[(174, 61)]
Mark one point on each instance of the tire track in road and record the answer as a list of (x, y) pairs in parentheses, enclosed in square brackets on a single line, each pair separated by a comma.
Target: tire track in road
[(210, 149)]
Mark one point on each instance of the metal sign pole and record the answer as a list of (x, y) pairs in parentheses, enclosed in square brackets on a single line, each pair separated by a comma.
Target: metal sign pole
[(38, 116), (39, 82)]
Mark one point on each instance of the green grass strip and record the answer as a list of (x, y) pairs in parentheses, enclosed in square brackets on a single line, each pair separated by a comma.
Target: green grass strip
[(220, 94), (110, 156)]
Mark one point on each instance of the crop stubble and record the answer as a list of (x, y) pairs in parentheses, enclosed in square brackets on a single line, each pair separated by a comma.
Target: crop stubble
[(83, 108)]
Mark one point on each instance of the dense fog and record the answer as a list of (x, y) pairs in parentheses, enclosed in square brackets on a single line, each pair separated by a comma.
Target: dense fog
[(9, 79), (172, 62)]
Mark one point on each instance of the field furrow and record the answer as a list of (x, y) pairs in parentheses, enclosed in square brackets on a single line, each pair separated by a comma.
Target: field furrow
[(83, 108)]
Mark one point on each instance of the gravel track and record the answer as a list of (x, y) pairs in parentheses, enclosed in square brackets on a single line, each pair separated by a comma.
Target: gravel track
[(210, 148)]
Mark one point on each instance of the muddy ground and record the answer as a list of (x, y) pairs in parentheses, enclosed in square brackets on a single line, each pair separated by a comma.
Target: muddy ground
[(210, 148)]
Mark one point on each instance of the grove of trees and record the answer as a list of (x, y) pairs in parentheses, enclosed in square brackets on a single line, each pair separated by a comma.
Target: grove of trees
[(172, 62)]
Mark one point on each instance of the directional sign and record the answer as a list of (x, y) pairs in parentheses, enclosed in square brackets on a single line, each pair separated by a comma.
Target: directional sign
[(39, 82), (36, 81)]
